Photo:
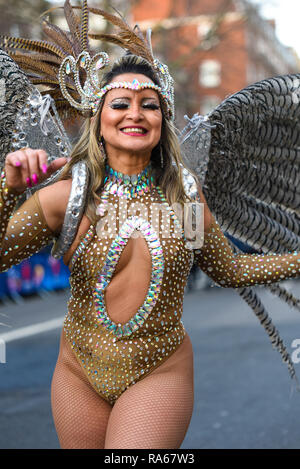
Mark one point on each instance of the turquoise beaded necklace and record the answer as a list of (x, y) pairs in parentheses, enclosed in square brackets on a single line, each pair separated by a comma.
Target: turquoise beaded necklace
[(124, 185), (130, 187)]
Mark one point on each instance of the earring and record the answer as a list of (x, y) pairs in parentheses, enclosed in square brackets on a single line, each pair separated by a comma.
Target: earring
[(161, 156), (102, 148)]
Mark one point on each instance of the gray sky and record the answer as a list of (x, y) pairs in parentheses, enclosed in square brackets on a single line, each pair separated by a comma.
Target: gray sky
[(287, 16)]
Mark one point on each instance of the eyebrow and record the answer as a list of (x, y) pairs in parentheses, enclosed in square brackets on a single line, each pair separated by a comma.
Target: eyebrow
[(128, 98)]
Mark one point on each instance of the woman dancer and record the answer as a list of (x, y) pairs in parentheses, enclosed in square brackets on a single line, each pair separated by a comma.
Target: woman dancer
[(124, 374)]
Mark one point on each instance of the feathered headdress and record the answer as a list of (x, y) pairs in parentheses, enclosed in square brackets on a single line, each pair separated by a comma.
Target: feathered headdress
[(68, 70)]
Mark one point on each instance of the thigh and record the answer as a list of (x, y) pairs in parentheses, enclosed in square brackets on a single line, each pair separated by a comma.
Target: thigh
[(80, 414), (156, 411)]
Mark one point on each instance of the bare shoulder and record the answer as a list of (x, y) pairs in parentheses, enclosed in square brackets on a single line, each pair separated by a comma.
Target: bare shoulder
[(54, 200)]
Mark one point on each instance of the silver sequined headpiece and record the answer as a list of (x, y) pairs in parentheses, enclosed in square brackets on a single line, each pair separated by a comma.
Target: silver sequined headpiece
[(91, 93)]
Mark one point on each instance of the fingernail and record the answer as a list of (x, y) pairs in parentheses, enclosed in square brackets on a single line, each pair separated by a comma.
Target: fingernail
[(35, 178), (44, 168), (17, 163), (28, 182)]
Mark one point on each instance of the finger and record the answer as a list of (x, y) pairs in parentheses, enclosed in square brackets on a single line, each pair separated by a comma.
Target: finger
[(22, 157), (13, 159), (33, 164), (43, 161), (56, 164)]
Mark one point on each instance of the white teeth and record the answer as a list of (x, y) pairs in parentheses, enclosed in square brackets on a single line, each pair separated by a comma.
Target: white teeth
[(134, 129)]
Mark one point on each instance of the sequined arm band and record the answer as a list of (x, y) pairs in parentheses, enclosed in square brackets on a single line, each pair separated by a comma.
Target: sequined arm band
[(8, 200), (227, 269), (22, 233)]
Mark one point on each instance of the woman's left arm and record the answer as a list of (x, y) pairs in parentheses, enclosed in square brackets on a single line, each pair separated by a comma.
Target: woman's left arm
[(217, 259)]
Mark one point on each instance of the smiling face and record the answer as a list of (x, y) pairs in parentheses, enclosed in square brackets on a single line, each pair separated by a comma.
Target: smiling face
[(131, 120)]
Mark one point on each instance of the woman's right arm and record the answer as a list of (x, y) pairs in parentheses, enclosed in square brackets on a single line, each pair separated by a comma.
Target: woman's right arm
[(35, 223)]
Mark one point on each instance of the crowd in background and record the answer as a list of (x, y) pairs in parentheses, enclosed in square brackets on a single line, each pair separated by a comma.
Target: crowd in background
[(38, 274)]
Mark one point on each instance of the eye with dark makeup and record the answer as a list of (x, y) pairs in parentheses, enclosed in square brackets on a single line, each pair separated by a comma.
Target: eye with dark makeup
[(153, 106), (120, 104)]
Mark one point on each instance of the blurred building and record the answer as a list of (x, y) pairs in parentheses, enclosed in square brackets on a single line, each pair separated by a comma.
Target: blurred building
[(214, 47), (21, 18)]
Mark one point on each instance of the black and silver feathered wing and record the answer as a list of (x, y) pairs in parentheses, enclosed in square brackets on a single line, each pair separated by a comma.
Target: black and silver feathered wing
[(14, 91), (28, 119), (246, 155)]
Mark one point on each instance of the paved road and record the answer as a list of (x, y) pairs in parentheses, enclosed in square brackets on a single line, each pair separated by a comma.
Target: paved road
[(242, 390)]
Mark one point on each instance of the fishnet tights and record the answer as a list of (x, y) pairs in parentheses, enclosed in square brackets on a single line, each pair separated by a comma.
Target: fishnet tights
[(154, 413), (80, 414)]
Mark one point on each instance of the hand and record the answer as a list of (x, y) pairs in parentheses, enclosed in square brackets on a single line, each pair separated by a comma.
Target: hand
[(27, 167)]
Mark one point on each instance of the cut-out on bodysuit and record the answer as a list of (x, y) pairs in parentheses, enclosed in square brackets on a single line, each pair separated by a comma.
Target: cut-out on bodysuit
[(131, 277), (113, 356)]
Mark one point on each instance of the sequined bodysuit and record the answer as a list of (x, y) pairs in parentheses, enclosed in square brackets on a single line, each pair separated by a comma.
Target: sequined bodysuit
[(116, 354)]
